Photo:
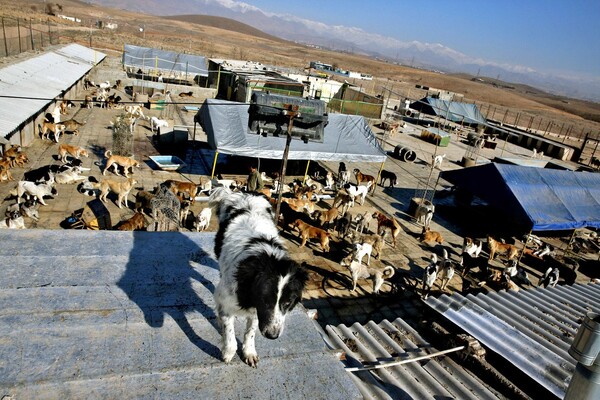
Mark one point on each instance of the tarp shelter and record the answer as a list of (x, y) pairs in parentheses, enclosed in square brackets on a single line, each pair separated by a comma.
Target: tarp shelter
[(167, 62), (346, 137), (544, 199), (466, 113)]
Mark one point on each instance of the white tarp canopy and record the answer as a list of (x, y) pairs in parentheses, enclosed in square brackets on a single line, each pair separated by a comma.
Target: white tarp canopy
[(346, 138), (168, 62)]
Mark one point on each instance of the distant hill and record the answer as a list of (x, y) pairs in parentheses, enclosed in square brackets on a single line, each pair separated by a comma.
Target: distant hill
[(224, 23)]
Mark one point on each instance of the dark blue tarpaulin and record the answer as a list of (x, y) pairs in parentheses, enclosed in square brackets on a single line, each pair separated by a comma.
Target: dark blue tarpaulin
[(545, 199)]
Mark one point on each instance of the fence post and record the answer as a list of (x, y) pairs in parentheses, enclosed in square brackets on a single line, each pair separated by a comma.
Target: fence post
[(19, 34), (31, 34), (4, 33), (49, 33)]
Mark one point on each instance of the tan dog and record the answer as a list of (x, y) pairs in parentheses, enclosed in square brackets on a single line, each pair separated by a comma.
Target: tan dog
[(136, 222), (178, 187), (5, 174), (373, 239), (75, 151), (120, 188), (72, 126), (21, 159), (142, 200), (327, 218), (56, 129), (384, 223), (509, 250), (114, 160), (300, 204), (428, 235), (308, 231)]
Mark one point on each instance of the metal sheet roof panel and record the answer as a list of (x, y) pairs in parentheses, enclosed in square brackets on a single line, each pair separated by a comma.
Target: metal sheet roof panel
[(533, 329), (29, 86)]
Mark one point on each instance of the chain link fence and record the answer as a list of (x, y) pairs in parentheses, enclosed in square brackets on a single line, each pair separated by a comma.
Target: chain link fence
[(20, 35)]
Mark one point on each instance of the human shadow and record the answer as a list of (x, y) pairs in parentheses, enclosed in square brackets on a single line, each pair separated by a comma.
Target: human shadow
[(160, 281)]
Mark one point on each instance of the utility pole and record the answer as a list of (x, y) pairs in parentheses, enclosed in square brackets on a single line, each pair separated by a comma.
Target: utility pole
[(290, 111)]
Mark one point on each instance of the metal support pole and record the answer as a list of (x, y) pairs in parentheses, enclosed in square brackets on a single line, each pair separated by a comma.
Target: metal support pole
[(212, 174), (306, 172), (585, 383), (19, 34), (4, 33), (291, 112), (31, 35)]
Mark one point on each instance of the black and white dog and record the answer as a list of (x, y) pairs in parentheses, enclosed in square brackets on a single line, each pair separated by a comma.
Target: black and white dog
[(259, 280)]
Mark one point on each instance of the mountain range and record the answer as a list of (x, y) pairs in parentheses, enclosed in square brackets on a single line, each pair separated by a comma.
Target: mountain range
[(349, 39)]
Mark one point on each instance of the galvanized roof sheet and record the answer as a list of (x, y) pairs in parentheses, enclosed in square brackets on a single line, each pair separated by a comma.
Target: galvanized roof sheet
[(533, 329), (29, 86), (435, 378)]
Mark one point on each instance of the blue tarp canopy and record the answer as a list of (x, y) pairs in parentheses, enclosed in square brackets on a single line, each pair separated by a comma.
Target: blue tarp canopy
[(451, 110), (545, 199), (168, 62), (346, 137)]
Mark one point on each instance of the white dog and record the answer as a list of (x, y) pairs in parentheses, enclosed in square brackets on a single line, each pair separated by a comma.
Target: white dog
[(37, 191), (13, 221), (70, 175), (329, 181), (203, 219), (357, 191), (445, 271), (359, 271), (259, 280), (429, 276), (437, 160), (358, 253), (156, 123)]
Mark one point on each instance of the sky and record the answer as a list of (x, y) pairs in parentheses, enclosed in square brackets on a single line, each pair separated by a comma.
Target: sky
[(559, 37)]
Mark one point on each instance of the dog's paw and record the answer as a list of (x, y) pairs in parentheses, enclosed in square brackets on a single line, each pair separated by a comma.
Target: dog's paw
[(251, 359), (228, 355)]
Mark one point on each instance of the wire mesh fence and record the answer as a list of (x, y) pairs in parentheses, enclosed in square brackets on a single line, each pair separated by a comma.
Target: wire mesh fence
[(20, 35)]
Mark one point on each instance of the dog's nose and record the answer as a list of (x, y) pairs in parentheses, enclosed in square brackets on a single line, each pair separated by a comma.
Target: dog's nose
[(271, 334)]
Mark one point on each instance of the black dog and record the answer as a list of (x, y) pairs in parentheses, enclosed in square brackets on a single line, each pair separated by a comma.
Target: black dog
[(388, 175)]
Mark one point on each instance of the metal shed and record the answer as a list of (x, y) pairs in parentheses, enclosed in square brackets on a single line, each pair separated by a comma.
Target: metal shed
[(29, 87)]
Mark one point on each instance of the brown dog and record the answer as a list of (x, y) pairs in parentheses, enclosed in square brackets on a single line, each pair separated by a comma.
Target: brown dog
[(360, 178), (327, 218), (134, 223), (178, 187), (142, 200), (508, 250), (428, 235), (384, 223), (310, 232), (121, 188), (75, 151), (72, 125), (115, 160)]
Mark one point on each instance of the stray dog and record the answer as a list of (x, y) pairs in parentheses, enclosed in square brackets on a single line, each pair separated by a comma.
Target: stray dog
[(342, 225), (363, 221), (203, 219), (120, 188), (436, 161), (114, 160), (37, 191), (157, 123), (307, 231), (184, 211), (374, 240), (428, 235), (327, 218), (259, 280), (360, 178), (289, 215), (75, 151), (509, 250), (329, 181), (424, 213), (355, 191), (384, 223), (28, 209), (183, 187), (71, 175), (13, 221), (445, 270), (429, 276), (358, 253), (142, 200), (359, 271), (135, 223), (55, 128), (186, 94), (387, 175), (550, 278), (344, 200), (72, 125)]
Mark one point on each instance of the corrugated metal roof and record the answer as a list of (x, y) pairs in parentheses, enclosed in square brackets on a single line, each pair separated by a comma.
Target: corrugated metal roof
[(533, 329), (32, 82), (435, 378)]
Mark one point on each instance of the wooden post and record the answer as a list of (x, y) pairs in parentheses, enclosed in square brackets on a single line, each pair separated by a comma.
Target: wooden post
[(49, 33), (4, 33), (31, 35), (19, 34)]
